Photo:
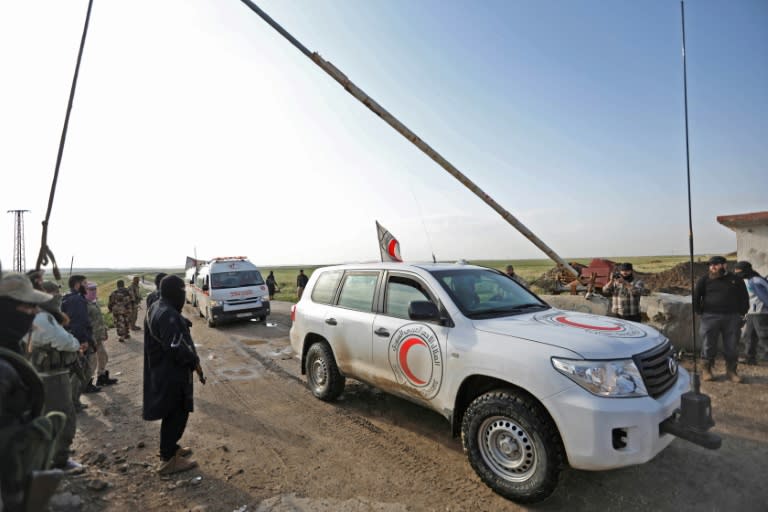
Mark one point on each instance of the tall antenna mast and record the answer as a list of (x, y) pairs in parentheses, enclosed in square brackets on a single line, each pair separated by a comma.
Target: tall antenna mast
[(19, 252)]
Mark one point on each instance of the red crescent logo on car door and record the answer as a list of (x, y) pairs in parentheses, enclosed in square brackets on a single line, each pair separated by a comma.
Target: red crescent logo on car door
[(416, 359)]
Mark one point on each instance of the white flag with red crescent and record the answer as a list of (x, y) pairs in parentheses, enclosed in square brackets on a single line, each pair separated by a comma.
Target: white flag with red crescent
[(388, 244)]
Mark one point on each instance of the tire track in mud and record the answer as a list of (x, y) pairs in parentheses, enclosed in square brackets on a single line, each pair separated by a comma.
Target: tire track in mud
[(441, 483)]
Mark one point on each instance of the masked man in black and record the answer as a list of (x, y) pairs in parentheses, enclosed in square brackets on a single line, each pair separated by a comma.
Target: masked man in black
[(170, 359), (26, 435)]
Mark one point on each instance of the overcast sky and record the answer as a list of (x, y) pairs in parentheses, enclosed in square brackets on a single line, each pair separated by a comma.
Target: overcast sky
[(196, 127)]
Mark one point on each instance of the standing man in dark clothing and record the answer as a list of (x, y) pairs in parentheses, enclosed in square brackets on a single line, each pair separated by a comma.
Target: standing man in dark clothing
[(301, 283), (155, 295), (271, 285), (721, 299), (170, 359), (75, 306)]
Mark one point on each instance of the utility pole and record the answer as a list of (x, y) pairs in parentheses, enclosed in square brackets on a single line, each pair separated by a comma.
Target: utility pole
[(19, 256)]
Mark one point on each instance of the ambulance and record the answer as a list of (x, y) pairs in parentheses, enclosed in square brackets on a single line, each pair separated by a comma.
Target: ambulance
[(229, 288)]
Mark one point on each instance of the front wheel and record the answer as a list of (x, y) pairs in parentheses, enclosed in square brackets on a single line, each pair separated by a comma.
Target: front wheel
[(209, 317), (323, 376), (512, 445)]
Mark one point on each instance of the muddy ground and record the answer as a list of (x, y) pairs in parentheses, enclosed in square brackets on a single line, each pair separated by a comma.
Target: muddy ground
[(264, 443)]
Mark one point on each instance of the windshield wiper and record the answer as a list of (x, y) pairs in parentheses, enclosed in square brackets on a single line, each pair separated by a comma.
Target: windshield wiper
[(509, 309), (530, 305)]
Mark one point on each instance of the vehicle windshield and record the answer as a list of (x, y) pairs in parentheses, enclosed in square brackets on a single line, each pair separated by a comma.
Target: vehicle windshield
[(236, 279), (485, 293)]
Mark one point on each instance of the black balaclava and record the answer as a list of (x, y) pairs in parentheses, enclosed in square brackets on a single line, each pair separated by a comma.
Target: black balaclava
[(159, 277), (172, 290), (14, 324)]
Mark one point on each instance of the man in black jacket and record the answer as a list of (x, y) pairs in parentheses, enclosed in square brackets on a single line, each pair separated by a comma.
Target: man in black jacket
[(722, 300), (75, 306), (170, 359)]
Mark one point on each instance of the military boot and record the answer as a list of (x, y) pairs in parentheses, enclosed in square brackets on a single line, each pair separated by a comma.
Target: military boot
[(90, 388), (706, 371), (731, 375), (105, 380)]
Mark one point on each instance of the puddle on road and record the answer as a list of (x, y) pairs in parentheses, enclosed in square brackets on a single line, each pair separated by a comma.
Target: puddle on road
[(254, 342), (239, 373)]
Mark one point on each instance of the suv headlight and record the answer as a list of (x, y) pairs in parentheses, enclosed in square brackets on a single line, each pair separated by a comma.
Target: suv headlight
[(619, 378)]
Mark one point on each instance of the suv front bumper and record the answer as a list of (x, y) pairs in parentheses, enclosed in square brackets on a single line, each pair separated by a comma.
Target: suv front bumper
[(590, 425)]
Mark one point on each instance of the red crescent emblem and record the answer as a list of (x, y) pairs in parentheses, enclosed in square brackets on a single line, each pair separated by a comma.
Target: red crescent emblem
[(564, 320), (391, 248), (404, 348)]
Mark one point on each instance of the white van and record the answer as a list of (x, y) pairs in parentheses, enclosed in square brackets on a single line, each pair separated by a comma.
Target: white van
[(230, 288)]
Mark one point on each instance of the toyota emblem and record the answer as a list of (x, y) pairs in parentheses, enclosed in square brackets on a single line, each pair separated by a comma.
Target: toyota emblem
[(672, 362)]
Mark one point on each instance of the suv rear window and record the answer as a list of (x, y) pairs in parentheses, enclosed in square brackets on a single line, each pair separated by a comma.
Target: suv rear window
[(325, 287), (357, 291)]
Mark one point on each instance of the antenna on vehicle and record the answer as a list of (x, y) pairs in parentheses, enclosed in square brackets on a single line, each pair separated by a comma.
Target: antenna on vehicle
[(694, 417)]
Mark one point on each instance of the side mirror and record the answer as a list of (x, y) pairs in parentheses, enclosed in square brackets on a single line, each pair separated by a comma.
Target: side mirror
[(423, 310), (205, 287)]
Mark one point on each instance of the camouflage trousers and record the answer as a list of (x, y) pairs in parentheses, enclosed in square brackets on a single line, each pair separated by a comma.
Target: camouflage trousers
[(134, 315), (121, 324), (97, 361)]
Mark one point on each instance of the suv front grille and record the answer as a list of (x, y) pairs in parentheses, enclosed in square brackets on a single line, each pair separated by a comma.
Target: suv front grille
[(659, 374)]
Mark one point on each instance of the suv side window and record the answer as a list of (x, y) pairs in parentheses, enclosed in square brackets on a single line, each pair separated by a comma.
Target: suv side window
[(357, 291), (400, 292), (325, 287)]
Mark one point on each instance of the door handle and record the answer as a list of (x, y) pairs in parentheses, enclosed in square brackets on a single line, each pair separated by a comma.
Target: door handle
[(381, 332), (331, 321)]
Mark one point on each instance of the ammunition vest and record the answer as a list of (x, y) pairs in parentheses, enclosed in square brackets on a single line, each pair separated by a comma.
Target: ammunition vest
[(46, 359)]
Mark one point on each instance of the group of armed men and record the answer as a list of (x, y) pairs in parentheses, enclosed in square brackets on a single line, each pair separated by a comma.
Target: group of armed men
[(51, 349)]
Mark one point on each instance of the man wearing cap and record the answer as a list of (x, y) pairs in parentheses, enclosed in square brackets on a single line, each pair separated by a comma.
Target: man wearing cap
[(625, 292), (756, 328), (52, 350), (721, 299), (25, 435)]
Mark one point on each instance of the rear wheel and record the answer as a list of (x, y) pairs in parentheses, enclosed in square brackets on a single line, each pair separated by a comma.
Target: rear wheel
[(323, 376), (513, 445)]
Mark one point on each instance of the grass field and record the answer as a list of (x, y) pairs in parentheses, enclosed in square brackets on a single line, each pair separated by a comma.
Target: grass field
[(529, 269)]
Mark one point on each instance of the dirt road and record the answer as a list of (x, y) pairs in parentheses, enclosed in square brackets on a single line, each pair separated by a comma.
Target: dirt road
[(264, 443)]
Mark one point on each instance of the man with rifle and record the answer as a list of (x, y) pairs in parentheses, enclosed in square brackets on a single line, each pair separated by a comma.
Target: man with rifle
[(170, 359)]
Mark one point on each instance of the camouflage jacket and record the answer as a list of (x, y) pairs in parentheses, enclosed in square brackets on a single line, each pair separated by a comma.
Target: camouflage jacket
[(97, 321), (135, 292), (120, 301)]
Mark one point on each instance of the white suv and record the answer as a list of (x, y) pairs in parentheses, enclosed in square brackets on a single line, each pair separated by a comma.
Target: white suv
[(528, 387)]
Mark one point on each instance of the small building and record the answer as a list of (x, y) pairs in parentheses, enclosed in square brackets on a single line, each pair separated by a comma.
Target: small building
[(751, 237)]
